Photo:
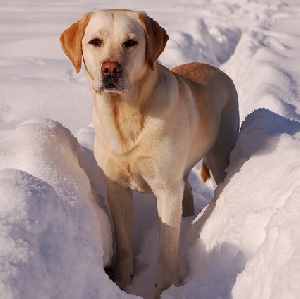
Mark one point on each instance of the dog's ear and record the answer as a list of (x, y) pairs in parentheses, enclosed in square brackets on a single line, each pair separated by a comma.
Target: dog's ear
[(71, 40), (156, 38)]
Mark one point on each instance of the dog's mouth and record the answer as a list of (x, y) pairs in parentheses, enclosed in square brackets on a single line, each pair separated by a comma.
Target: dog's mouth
[(112, 84), (114, 89)]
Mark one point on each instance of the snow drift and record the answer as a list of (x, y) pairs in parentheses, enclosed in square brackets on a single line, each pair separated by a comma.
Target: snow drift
[(54, 238), (249, 239)]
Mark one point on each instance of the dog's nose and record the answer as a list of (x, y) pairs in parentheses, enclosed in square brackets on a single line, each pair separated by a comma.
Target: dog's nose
[(111, 68)]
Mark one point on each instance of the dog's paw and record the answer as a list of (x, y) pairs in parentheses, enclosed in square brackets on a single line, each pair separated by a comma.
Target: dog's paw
[(183, 272), (167, 279), (124, 273), (162, 284)]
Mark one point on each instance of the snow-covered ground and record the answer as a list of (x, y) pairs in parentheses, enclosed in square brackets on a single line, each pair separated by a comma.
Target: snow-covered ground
[(54, 239)]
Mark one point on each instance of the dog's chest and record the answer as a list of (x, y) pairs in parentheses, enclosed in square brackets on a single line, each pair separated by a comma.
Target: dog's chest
[(123, 171), (118, 127)]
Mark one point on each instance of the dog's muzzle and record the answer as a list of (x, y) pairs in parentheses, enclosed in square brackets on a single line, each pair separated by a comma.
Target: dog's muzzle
[(111, 75)]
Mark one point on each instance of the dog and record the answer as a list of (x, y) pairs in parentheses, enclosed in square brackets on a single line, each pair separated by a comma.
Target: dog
[(152, 125)]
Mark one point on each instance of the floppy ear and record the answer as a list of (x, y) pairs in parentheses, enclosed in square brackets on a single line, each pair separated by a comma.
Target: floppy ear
[(71, 40), (156, 38)]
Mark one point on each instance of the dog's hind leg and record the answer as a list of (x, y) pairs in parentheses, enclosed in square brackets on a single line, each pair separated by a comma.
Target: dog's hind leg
[(188, 201), (217, 159)]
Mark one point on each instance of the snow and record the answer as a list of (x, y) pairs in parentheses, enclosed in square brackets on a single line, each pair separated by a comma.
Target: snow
[(55, 233), (251, 237), (55, 239)]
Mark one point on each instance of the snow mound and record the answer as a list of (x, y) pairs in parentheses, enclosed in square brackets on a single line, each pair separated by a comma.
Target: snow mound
[(198, 42), (55, 239), (274, 86), (249, 240)]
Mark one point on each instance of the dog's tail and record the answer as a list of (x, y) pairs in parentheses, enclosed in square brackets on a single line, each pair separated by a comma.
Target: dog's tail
[(204, 173)]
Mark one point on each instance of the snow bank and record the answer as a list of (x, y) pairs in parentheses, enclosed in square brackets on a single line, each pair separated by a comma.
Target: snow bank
[(55, 239), (249, 244), (198, 42), (275, 87)]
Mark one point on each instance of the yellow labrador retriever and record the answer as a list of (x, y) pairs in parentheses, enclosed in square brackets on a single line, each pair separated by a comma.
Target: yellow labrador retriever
[(152, 124)]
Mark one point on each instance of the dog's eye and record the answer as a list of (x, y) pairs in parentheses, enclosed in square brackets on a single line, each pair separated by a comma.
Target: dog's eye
[(96, 42), (130, 43)]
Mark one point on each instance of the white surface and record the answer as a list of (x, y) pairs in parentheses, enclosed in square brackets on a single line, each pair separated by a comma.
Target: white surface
[(54, 238), (249, 246)]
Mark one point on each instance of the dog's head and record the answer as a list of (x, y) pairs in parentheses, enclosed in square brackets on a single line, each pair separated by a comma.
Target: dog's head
[(116, 46)]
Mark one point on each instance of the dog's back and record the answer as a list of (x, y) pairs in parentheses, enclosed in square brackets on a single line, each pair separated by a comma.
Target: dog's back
[(196, 72), (217, 159)]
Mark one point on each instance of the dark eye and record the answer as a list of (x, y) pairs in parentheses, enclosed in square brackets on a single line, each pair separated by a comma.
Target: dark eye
[(96, 42), (130, 43)]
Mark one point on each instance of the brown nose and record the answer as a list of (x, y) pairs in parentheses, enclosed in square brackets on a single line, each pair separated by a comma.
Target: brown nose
[(111, 68)]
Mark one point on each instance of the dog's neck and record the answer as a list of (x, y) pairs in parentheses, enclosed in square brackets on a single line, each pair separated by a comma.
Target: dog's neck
[(122, 117)]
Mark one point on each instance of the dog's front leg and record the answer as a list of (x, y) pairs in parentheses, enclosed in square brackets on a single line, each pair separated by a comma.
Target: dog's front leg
[(169, 206), (120, 203)]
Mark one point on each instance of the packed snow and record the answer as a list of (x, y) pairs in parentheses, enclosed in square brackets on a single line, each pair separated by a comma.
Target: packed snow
[(55, 232)]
